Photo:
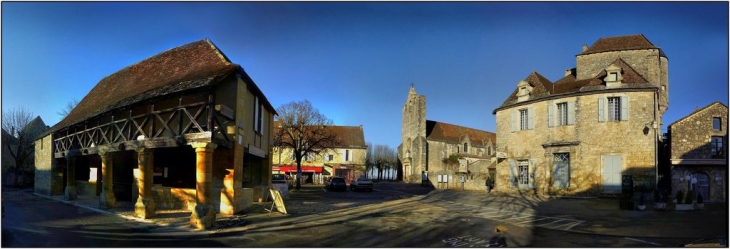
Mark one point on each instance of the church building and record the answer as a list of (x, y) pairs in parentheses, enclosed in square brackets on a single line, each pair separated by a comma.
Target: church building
[(442, 152)]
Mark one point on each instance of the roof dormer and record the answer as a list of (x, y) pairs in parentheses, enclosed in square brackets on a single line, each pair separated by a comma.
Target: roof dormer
[(523, 91), (613, 76)]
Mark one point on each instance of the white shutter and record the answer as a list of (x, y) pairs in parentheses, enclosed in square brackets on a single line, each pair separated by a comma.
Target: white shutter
[(532, 179), (511, 173), (514, 118), (571, 112), (624, 108), (530, 118), (256, 113), (601, 108), (551, 113)]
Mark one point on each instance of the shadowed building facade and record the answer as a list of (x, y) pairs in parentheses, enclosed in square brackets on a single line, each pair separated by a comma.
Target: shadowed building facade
[(584, 132), (186, 128), (698, 145)]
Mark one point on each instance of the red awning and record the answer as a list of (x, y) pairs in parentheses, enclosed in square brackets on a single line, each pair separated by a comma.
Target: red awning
[(293, 169)]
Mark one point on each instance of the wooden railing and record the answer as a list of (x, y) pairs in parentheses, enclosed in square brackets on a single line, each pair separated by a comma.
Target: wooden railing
[(155, 124)]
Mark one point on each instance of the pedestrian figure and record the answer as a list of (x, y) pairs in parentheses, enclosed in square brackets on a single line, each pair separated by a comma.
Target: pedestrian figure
[(424, 178), (489, 183)]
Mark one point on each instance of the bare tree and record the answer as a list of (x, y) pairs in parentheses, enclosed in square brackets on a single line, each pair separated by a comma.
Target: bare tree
[(303, 129), (19, 134), (384, 157), (69, 107), (369, 160)]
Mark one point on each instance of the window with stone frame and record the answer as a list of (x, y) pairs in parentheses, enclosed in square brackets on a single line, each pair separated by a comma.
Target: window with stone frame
[(614, 109), (716, 147), (562, 114), (717, 123), (523, 119)]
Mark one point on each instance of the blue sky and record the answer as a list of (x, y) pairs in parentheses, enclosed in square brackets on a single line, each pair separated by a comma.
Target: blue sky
[(355, 61)]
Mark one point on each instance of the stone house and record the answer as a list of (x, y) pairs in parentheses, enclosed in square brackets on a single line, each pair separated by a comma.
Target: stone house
[(584, 132), (346, 159), (698, 149), (427, 145), (186, 128), (25, 175)]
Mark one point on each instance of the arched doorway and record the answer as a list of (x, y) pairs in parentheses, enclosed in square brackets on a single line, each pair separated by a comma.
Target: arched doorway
[(702, 186)]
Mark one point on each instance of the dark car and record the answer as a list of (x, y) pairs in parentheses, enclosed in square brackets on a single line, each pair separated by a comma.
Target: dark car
[(336, 183), (362, 184)]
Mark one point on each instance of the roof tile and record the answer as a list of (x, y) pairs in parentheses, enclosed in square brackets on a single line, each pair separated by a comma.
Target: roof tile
[(191, 65)]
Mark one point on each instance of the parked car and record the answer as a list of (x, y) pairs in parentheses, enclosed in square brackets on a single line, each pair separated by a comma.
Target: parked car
[(279, 182), (362, 184), (336, 183)]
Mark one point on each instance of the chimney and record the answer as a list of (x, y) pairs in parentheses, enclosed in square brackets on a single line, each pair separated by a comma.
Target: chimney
[(360, 127), (585, 47), (570, 72)]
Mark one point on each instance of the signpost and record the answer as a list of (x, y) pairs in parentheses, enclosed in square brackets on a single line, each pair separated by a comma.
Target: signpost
[(277, 203)]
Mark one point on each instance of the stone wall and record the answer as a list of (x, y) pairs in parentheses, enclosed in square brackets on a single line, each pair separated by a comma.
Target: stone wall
[(647, 62), (587, 141), (690, 140), (691, 136), (413, 148), (48, 176)]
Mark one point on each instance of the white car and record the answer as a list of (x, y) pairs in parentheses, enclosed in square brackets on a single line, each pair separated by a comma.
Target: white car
[(279, 182), (362, 184)]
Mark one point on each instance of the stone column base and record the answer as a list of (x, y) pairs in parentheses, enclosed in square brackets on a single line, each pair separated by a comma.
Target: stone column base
[(71, 193), (107, 200), (203, 217), (144, 208)]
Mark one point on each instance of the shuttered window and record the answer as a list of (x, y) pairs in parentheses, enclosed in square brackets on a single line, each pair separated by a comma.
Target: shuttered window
[(613, 109), (523, 119)]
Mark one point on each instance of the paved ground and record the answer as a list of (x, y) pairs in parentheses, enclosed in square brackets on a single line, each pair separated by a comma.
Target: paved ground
[(530, 220)]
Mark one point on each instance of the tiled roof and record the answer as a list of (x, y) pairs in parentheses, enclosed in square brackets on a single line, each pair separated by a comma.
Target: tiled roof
[(540, 85), (628, 74), (347, 136), (189, 66), (697, 111), (618, 43), (453, 133), (569, 84)]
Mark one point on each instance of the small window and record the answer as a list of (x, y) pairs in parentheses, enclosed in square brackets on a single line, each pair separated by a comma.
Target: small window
[(717, 150), (523, 90), (614, 109), (523, 119), (562, 114), (613, 77), (717, 124), (347, 155), (466, 148)]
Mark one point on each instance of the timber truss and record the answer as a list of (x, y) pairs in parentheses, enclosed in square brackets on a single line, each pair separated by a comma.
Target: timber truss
[(145, 126)]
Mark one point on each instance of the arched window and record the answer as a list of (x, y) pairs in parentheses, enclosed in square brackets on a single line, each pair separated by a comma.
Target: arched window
[(466, 148)]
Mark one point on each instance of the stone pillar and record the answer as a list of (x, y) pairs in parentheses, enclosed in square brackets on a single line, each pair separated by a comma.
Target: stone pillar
[(106, 198), (70, 192), (145, 206), (203, 215)]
